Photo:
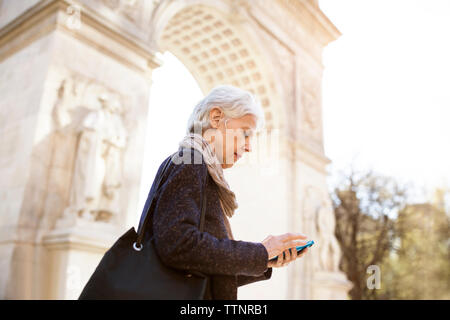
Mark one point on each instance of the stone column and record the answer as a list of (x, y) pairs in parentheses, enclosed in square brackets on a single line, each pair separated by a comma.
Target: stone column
[(319, 273), (75, 89)]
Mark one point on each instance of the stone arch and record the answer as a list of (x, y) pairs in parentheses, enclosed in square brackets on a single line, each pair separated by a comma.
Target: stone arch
[(210, 40), (257, 45)]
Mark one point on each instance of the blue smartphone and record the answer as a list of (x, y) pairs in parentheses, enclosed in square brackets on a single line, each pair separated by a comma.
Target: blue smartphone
[(299, 249)]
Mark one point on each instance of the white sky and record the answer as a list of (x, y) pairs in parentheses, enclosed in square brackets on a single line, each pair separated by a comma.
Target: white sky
[(386, 92), (174, 93), (386, 88)]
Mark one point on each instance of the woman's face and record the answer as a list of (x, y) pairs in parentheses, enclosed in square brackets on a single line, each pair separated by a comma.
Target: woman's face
[(230, 137)]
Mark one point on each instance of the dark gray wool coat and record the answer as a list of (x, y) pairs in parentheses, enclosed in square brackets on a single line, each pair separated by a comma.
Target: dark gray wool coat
[(180, 244)]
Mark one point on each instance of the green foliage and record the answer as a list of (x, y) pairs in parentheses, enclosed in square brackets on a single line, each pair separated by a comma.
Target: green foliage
[(375, 225), (420, 267)]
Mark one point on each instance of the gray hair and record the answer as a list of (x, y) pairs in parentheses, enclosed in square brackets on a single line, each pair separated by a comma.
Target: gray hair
[(235, 103)]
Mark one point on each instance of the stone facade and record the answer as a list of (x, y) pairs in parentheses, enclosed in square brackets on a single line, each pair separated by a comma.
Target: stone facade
[(75, 81)]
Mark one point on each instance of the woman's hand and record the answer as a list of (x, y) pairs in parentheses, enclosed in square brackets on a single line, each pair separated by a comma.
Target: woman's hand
[(276, 245), (288, 257)]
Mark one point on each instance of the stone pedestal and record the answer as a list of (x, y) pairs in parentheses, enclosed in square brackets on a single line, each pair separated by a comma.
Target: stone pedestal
[(330, 286), (73, 254)]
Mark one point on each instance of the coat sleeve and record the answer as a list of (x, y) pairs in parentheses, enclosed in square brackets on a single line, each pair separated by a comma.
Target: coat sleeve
[(178, 240), (243, 280)]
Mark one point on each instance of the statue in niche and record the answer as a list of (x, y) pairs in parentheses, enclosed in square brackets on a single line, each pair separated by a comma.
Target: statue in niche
[(89, 169), (329, 249), (95, 118), (320, 224), (114, 142)]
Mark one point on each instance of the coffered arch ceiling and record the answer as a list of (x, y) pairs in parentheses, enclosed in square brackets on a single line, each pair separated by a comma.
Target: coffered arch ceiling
[(216, 50)]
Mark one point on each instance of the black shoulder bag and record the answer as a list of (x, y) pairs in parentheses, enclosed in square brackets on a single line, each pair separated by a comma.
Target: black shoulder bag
[(132, 270)]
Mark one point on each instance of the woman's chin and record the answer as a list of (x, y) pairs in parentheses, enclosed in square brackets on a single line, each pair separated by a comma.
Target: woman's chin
[(227, 165)]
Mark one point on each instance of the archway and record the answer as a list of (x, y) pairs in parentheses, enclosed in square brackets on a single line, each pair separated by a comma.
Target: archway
[(216, 47), (269, 48), (216, 50)]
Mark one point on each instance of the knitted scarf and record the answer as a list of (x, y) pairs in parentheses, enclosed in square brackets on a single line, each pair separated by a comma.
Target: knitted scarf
[(226, 196)]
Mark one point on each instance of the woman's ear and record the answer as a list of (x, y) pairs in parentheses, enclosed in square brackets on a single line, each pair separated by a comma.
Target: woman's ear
[(215, 115)]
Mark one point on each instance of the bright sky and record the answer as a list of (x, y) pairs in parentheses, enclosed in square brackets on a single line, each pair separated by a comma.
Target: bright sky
[(174, 93), (386, 92)]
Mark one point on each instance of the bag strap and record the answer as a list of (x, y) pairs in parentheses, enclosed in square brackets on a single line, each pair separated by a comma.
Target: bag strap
[(141, 230)]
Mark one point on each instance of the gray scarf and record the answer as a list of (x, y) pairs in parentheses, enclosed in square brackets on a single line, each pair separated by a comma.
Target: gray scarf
[(226, 196)]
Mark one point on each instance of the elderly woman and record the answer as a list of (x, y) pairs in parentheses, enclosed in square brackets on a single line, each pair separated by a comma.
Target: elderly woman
[(220, 130)]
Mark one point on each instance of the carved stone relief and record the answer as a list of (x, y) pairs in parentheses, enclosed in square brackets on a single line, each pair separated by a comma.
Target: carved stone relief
[(93, 115), (320, 223), (310, 103), (130, 9), (329, 250)]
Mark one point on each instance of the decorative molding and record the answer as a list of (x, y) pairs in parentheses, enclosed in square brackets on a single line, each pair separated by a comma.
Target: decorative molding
[(313, 20), (130, 9), (301, 29), (50, 15), (85, 236), (298, 151)]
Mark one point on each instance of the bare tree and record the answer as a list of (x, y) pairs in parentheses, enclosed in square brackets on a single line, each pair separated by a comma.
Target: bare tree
[(365, 206)]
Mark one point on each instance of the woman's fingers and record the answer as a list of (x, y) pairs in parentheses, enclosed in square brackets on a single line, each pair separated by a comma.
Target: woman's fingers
[(297, 254), (302, 253), (277, 245), (280, 260), (287, 257), (294, 254), (295, 243)]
